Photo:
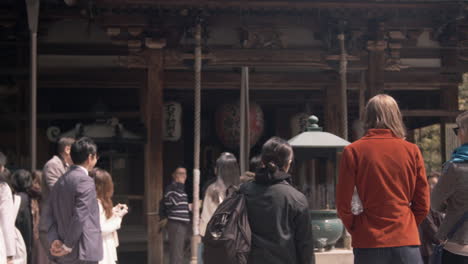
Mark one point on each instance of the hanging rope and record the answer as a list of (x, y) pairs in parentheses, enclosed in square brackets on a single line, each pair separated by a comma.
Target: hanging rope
[(247, 118), (244, 121), (196, 147), (344, 85)]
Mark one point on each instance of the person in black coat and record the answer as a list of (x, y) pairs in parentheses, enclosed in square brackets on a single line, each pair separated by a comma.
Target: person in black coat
[(278, 213), (21, 182)]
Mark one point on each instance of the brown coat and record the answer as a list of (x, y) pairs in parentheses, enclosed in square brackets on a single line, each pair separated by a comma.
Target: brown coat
[(451, 194)]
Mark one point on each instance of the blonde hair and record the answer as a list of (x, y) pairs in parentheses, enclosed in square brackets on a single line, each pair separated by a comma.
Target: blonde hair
[(382, 112), (462, 120)]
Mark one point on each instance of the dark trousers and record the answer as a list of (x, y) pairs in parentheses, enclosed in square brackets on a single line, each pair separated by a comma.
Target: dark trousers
[(389, 255), (450, 258), (426, 259), (177, 232)]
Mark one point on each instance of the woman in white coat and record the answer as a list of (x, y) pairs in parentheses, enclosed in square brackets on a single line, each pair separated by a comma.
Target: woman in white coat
[(110, 216), (7, 222), (12, 247), (227, 174)]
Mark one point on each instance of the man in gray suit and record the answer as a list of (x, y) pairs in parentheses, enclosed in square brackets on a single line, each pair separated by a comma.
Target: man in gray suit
[(57, 165), (52, 171), (74, 231)]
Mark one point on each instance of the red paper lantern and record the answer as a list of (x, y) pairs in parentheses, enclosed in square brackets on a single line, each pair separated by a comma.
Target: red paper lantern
[(228, 124)]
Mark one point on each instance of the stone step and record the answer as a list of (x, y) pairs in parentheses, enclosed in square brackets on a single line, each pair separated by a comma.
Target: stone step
[(335, 256)]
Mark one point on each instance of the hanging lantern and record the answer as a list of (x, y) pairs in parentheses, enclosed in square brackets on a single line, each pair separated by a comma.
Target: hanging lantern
[(299, 123), (228, 124), (172, 125)]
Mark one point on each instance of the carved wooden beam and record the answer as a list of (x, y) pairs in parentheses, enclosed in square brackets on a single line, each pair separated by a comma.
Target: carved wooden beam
[(430, 113), (72, 116), (280, 5), (175, 59), (261, 81)]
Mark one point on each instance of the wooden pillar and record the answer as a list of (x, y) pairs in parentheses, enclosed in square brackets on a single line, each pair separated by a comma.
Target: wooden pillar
[(362, 95), (333, 107), (154, 153), (443, 141), (410, 136), (448, 96), (333, 124), (376, 63)]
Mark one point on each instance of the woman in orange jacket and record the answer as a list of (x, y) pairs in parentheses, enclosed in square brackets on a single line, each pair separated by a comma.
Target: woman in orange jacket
[(388, 173)]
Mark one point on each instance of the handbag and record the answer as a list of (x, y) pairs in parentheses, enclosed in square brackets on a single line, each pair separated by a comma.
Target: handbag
[(436, 257)]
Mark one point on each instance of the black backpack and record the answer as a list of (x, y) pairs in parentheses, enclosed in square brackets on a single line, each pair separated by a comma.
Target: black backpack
[(227, 238)]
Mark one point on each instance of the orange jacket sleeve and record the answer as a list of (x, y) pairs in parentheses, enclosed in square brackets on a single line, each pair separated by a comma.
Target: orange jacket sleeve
[(420, 204), (345, 188)]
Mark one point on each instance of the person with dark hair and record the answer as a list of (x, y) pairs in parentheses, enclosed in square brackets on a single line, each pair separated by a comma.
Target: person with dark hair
[(254, 163), (178, 215), (278, 213), (52, 171), (39, 255), (57, 165), (429, 227), (21, 182), (227, 174), (390, 180), (110, 215), (72, 216), (450, 196)]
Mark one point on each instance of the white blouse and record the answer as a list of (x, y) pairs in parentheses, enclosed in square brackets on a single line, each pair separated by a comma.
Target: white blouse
[(208, 209), (110, 240), (7, 223)]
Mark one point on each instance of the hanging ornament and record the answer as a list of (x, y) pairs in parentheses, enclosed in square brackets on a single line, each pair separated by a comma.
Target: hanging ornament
[(228, 124), (172, 125)]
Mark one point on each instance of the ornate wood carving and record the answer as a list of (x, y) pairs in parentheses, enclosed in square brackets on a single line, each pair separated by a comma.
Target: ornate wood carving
[(376, 46), (135, 38), (393, 61), (133, 61), (257, 37)]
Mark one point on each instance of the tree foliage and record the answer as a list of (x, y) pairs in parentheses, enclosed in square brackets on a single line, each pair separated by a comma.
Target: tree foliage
[(463, 93), (428, 138)]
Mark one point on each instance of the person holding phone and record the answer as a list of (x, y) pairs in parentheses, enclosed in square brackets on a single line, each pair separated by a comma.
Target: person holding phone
[(110, 216)]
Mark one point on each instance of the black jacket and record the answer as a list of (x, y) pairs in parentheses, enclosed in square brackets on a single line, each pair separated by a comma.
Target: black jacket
[(280, 220), (24, 222)]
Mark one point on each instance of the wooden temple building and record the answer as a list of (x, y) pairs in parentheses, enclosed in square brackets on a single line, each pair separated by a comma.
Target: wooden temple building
[(124, 70)]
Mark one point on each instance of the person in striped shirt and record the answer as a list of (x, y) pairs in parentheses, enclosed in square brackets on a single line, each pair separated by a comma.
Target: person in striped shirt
[(178, 215)]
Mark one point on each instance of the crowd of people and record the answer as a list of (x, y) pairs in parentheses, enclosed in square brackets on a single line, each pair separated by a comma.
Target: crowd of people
[(65, 214), (388, 176), (398, 221)]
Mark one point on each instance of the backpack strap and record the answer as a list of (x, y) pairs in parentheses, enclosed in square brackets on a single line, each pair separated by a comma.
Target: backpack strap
[(457, 226)]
